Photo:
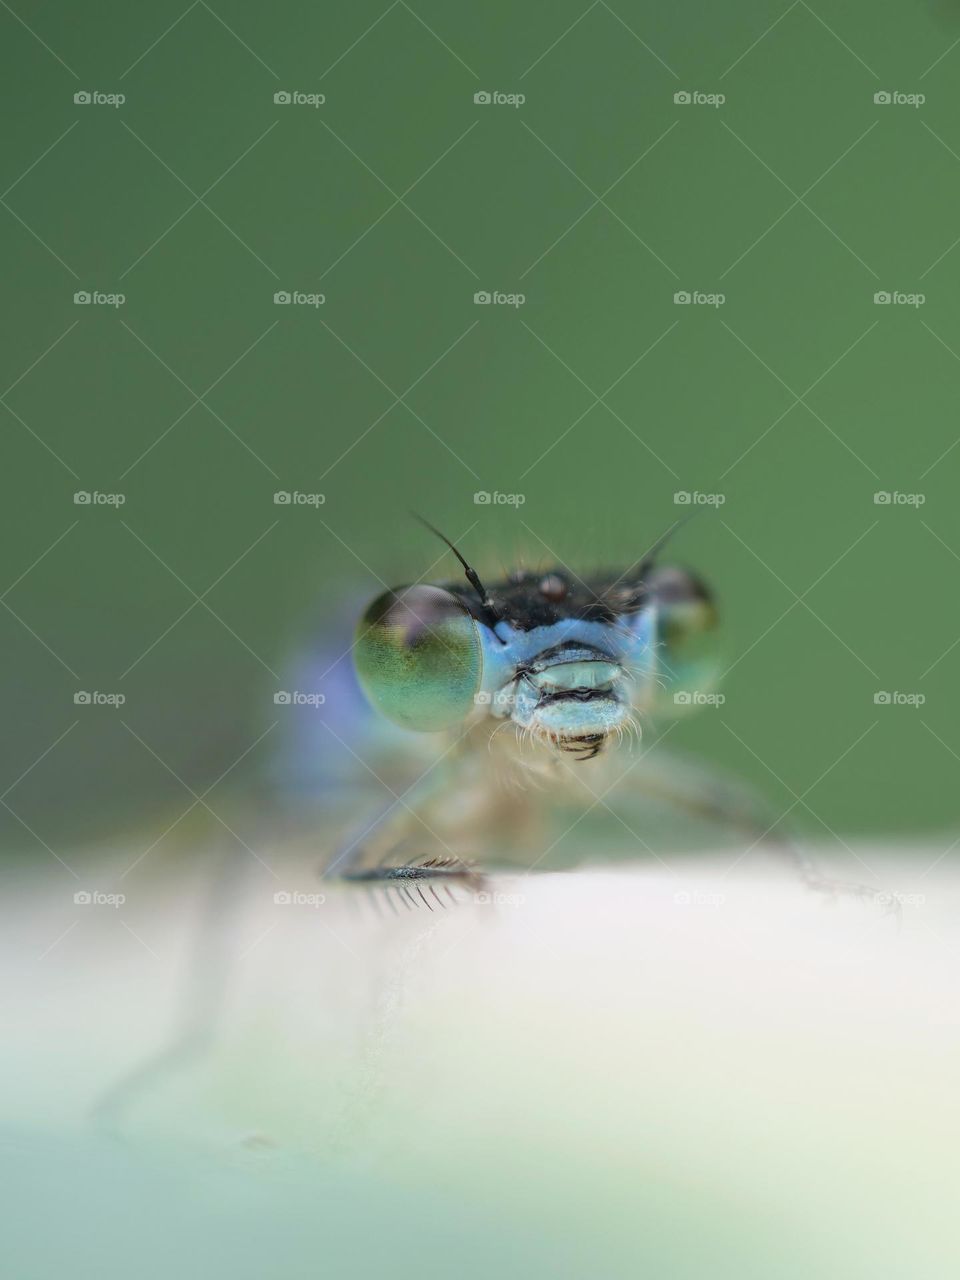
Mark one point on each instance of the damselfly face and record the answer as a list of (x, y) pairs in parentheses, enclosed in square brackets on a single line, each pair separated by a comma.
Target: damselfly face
[(571, 663)]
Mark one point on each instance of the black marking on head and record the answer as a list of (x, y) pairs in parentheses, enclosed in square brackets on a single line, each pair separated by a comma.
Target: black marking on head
[(521, 600), (528, 600)]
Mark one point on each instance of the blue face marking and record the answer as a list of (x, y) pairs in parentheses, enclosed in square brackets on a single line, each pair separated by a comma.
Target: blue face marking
[(572, 681), (506, 649)]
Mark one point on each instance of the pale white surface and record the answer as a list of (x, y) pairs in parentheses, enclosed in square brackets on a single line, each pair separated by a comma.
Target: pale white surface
[(694, 1072)]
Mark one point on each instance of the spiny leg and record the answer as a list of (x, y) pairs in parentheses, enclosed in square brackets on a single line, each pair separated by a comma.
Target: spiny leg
[(706, 796), (415, 877), (381, 854), (202, 996)]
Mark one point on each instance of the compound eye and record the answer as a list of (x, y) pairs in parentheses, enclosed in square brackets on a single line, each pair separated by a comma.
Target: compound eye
[(419, 657), (689, 662)]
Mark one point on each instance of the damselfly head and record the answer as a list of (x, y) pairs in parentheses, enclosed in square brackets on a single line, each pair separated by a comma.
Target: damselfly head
[(571, 662)]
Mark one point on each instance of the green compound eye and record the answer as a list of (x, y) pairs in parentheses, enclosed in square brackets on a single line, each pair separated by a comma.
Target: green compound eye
[(689, 662), (419, 657)]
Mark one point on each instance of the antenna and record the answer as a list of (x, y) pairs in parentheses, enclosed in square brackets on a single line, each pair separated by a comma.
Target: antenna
[(644, 565), (472, 576)]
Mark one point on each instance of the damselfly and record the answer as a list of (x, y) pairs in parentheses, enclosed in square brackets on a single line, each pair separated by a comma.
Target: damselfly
[(472, 727), (510, 711)]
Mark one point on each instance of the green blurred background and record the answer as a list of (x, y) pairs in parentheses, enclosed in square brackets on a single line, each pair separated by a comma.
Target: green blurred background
[(598, 399)]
